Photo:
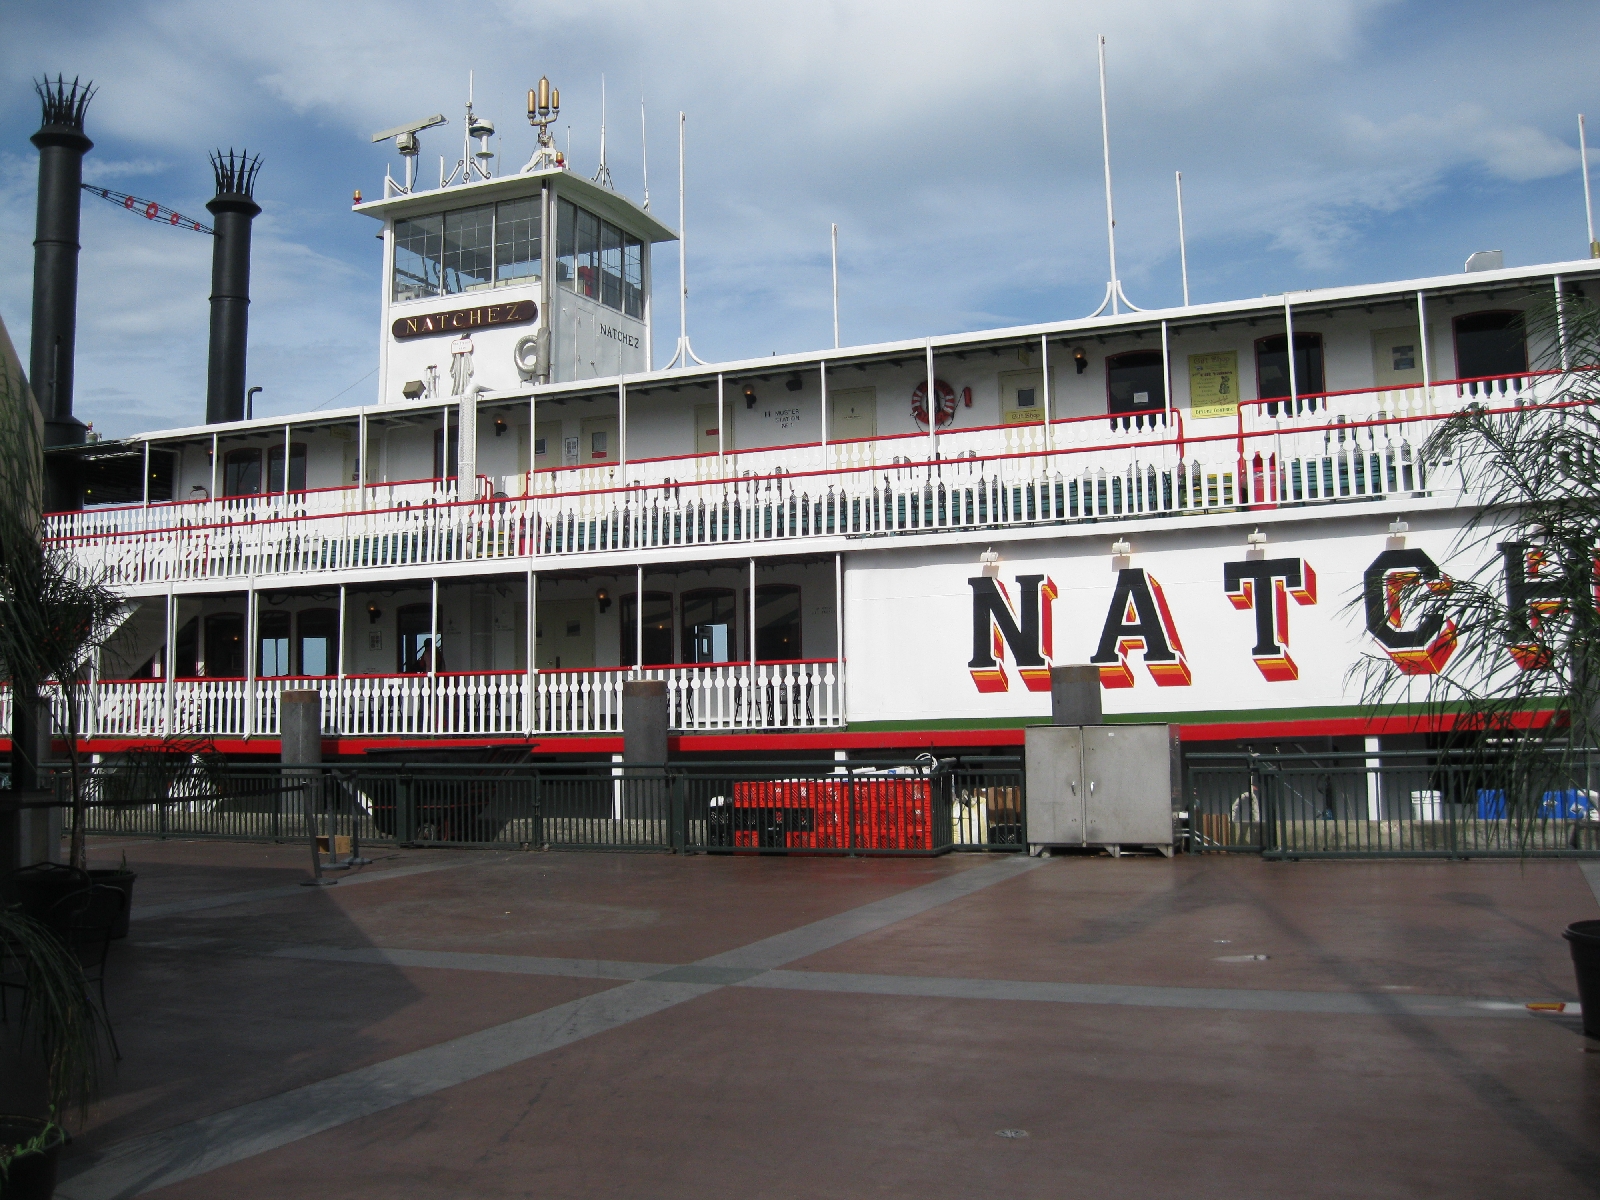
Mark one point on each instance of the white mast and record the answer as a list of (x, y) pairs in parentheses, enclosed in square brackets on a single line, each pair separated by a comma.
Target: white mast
[(603, 175), (644, 154), (1114, 292), (835, 286), (1183, 251), (1588, 207), (684, 354)]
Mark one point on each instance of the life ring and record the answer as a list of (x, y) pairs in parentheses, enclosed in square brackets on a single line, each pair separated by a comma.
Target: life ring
[(947, 403), (526, 355)]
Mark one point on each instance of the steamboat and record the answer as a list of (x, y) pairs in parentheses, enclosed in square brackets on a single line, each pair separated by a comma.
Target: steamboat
[(851, 550)]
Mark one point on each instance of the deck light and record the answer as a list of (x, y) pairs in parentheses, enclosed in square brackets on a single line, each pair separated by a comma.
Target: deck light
[(1121, 555), (1255, 544), (603, 599), (499, 426), (793, 382), (989, 562), (374, 613), (1080, 360), (749, 395)]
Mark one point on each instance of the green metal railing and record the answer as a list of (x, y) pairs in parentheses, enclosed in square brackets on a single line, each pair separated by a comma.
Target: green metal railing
[(1353, 804), (880, 807)]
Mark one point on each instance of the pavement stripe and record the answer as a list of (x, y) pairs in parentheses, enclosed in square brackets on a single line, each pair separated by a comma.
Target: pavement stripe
[(941, 987), (170, 1156), (173, 1155), (823, 935), (1217, 999), (148, 912), (505, 964)]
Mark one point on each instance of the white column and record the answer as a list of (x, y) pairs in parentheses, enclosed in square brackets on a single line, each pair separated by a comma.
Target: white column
[(432, 723), (822, 371), (251, 620), (750, 683), (288, 452), (1044, 363), (145, 501), (172, 660), (533, 443), (1294, 382), (721, 441), (933, 407), (1422, 345), (1561, 325), (1166, 375), (838, 627), (1374, 780), (531, 677), (361, 459), (622, 429), (638, 623), (214, 466)]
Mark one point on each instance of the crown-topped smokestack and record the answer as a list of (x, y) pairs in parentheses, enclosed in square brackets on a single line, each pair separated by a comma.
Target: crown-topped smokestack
[(234, 209), (62, 145)]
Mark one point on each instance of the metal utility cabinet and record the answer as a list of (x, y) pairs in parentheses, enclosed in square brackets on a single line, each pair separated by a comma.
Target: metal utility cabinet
[(1101, 785)]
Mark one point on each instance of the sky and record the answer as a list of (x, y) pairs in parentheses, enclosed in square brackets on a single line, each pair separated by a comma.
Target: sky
[(956, 145)]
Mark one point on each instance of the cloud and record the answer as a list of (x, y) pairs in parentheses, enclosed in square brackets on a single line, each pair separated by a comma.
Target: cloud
[(957, 146)]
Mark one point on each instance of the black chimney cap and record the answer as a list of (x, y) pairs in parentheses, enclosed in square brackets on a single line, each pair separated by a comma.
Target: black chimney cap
[(64, 103), (235, 172)]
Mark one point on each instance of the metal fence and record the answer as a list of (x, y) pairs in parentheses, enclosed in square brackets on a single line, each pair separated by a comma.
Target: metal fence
[(926, 806), (1389, 803)]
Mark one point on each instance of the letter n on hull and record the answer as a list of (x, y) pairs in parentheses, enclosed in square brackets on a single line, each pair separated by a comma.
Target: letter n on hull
[(998, 627)]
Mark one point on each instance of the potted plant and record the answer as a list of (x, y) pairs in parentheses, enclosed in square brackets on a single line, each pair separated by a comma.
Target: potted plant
[(1519, 690), (66, 1026)]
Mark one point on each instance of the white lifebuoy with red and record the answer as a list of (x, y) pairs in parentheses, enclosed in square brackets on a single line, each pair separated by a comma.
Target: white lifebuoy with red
[(946, 397)]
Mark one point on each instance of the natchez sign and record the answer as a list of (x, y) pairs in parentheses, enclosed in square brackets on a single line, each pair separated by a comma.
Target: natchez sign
[(1172, 628)]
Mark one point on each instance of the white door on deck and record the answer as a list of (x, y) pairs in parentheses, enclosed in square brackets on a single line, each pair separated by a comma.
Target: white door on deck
[(852, 414), (598, 442)]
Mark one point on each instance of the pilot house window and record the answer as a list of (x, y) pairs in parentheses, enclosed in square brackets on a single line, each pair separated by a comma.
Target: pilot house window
[(443, 254), (598, 260)]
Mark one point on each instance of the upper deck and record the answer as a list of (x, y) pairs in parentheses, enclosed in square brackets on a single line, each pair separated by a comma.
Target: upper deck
[(1192, 413)]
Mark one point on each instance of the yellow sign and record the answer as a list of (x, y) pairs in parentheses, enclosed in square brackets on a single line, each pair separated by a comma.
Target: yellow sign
[(1214, 384)]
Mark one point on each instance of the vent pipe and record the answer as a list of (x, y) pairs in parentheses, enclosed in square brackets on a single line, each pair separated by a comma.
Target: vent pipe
[(62, 145), (234, 210)]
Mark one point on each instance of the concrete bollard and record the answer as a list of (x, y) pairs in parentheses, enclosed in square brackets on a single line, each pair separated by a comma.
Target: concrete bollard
[(1075, 695), (300, 734), (644, 748)]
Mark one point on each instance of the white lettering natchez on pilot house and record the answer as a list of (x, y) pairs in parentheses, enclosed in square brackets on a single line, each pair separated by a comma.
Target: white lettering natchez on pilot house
[(620, 335)]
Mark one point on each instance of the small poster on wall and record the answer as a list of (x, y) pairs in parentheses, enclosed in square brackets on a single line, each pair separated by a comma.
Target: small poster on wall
[(1214, 384)]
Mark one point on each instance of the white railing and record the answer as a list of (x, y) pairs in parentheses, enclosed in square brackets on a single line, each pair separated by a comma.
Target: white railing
[(798, 695), (1316, 450)]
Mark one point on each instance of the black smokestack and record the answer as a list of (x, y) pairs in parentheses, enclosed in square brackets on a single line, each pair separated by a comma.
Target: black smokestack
[(62, 146), (234, 209)]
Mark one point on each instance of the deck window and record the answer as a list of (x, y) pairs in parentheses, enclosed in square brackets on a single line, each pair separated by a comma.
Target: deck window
[(418, 257), (297, 468), (318, 641), (241, 472), (1490, 343), (777, 622), (599, 260), (469, 249), (586, 277), (657, 629), (517, 250), (710, 621), (1272, 369), (632, 276), (1135, 383), (272, 645), (414, 625), (224, 640)]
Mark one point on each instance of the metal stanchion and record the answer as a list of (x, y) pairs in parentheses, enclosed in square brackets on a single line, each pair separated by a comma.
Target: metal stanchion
[(300, 728), (316, 879)]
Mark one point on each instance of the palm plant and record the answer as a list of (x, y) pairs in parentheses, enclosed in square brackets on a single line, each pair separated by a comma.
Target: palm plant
[(54, 612), (1521, 688)]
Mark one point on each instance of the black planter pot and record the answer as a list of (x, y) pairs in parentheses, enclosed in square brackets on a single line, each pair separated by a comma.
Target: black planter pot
[(123, 881), (33, 1176), (1584, 938), (39, 887)]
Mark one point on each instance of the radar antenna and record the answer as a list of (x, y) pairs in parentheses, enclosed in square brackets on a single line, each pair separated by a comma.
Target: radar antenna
[(544, 106), (644, 153), (684, 354), (405, 141)]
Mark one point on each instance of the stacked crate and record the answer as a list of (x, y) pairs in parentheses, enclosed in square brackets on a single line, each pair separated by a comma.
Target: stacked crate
[(891, 813)]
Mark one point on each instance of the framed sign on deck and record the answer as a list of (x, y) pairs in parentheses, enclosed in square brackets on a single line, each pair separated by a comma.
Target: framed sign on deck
[(1214, 384)]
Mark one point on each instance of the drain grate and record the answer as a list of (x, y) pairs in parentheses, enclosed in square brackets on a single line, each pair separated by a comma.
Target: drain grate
[(1011, 1133)]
